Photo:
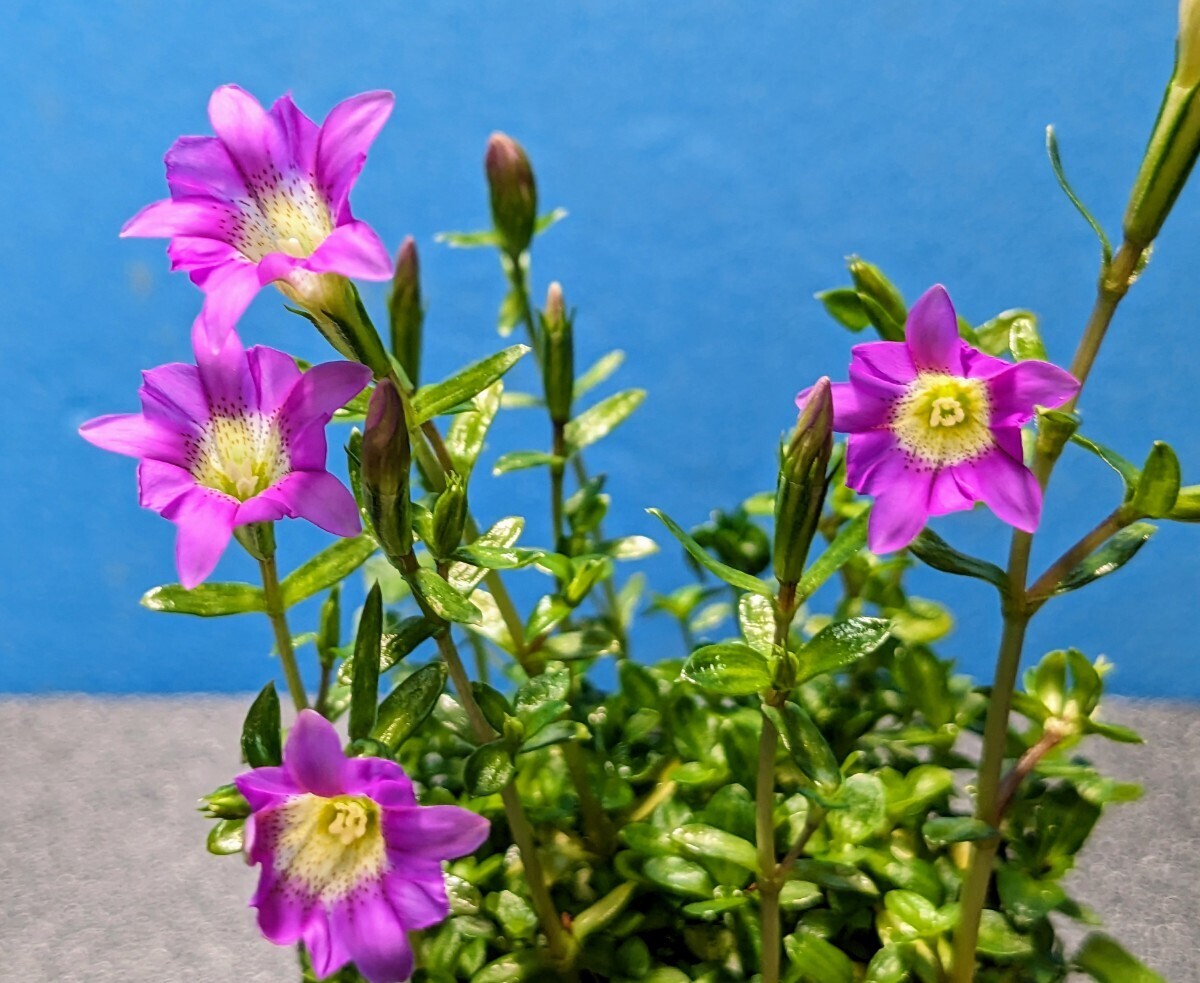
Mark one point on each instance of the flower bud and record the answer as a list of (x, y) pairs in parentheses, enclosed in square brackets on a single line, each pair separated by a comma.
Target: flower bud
[(386, 458), (558, 356), (225, 802), (449, 516), (884, 304), (800, 493), (404, 308), (1175, 139), (513, 192)]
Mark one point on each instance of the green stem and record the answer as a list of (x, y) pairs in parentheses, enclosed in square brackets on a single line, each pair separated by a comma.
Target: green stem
[(283, 636), (558, 449), (1115, 280)]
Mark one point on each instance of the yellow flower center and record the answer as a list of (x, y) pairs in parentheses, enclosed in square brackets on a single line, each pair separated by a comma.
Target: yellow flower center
[(289, 216), (943, 419), (241, 456), (327, 846)]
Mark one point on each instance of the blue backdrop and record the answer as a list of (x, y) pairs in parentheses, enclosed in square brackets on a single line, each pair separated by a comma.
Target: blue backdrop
[(718, 159)]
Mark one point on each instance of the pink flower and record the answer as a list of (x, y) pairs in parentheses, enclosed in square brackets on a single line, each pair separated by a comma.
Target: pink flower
[(237, 438), (268, 200), (935, 426), (350, 862)]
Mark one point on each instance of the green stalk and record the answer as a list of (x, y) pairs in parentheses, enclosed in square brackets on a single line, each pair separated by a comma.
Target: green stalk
[(283, 636)]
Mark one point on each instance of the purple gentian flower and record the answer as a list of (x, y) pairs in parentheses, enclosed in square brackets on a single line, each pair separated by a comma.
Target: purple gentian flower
[(238, 437), (267, 199), (350, 862), (935, 426)]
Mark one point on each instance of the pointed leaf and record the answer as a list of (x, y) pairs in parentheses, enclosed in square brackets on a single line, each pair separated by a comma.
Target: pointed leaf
[(262, 741), (444, 600), (489, 769), (465, 437), (465, 577), (806, 744), (845, 307), (1025, 341), (1129, 474), (931, 549), (1114, 554), (816, 960), (559, 732), (521, 460), (331, 566), (1105, 961), (841, 644), (1158, 485), (756, 617), (849, 540), (600, 420), (735, 578), (548, 220), (729, 668), (703, 842), (364, 686), (599, 371), (406, 707), (227, 836), (205, 600), (468, 240), (944, 830), (432, 400)]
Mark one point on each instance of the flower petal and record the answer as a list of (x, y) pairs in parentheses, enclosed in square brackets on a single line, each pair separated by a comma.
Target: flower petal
[(932, 333), (948, 494), (160, 484), (326, 949), (383, 780), (346, 135), (323, 389), (274, 373), (313, 755), (265, 787), (174, 395), (193, 216), (283, 914), (203, 258), (313, 495), (228, 291), (135, 435), (298, 132), (201, 166), (354, 251), (375, 937), (252, 138), (435, 832), (868, 452), (886, 362), (899, 513), (419, 895), (1008, 488), (853, 410), (226, 378), (205, 522), (1015, 391)]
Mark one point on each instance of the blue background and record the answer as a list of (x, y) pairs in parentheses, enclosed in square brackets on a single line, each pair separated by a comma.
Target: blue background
[(718, 159)]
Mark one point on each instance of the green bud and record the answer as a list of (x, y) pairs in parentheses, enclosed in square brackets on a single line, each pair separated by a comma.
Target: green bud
[(513, 192), (1175, 139), (800, 493), (883, 303), (225, 802), (329, 628), (558, 356), (258, 539), (386, 458), (404, 309), (449, 516)]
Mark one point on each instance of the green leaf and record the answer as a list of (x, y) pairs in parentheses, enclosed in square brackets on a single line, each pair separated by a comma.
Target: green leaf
[(1128, 473), (845, 307), (433, 400), (1114, 554), (806, 744), (331, 566), (1158, 486), (920, 914), (1187, 505), (227, 836), (945, 830), (887, 966), (734, 578), (850, 538), (816, 960), (1105, 960), (678, 876), (599, 372), (551, 685), (496, 557), (707, 842), (709, 910), (934, 551), (835, 876), (600, 914), (364, 686), (513, 967), (406, 707), (467, 431), (511, 312), (489, 769), (465, 577), (262, 743), (628, 547), (798, 895), (600, 420), (443, 600), (468, 240), (1060, 175), (756, 618), (559, 732), (728, 668), (409, 633), (841, 644), (205, 600), (522, 460), (1025, 898), (1025, 341), (548, 220), (862, 808), (998, 939)]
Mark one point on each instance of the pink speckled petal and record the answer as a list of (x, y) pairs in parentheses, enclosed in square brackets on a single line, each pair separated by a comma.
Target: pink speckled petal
[(932, 333), (313, 755)]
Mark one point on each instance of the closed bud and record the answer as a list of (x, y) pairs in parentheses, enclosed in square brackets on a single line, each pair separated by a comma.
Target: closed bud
[(329, 628), (558, 356), (1175, 140), (513, 192), (225, 802), (449, 516), (386, 458), (800, 493), (883, 303), (404, 309)]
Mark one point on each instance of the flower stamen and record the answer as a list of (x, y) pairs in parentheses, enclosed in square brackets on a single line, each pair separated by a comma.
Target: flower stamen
[(942, 420)]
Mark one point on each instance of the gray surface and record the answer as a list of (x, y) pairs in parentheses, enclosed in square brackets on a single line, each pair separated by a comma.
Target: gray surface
[(104, 875)]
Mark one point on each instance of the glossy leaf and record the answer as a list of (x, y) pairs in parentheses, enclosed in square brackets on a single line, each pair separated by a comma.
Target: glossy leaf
[(489, 769), (1128, 473), (1106, 961), (709, 910), (628, 548), (806, 744), (756, 618), (920, 914), (467, 431), (1060, 175), (728, 668), (433, 400), (841, 644), (406, 707), (465, 577), (945, 830), (468, 240), (700, 841), (734, 578), (331, 566), (227, 836), (598, 372), (262, 740), (598, 421), (522, 460), (1187, 505), (998, 939), (934, 551), (1114, 554), (678, 876), (850, 538), (206, 600), (995, 336), (600, 914), (444, 600), (1025, 341), (396, 645), (835, 876), (861, 808), (845, 307), (1158, 485), (364, 686), (558, 732), (887, 966), (816, 960)]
